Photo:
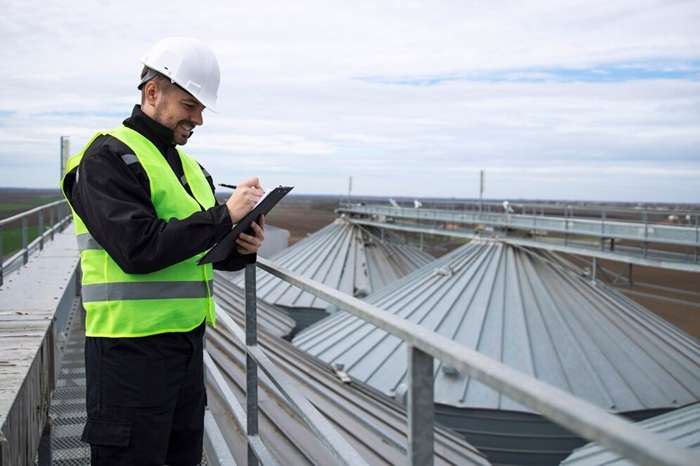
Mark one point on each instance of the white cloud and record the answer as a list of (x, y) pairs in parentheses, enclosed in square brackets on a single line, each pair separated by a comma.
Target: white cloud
[(293, 110)]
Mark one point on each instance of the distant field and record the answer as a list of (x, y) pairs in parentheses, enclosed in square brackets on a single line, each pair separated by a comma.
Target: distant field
[(15, 201)]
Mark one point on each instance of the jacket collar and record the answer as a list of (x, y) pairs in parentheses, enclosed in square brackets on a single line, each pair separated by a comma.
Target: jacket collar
[(161, 136)]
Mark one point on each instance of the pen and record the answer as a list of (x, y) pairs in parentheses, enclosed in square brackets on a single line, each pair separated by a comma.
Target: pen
[(229, 186)]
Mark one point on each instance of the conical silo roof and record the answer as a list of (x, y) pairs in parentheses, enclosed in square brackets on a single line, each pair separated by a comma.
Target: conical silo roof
[(680, 427), (272, 319), (342, 255), (374, 425), (530, 313)]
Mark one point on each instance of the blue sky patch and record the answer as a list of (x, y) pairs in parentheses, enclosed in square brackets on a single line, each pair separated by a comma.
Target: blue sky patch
[(626, 72)]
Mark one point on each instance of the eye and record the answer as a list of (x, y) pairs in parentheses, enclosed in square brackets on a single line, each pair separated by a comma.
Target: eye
[(188, 105)]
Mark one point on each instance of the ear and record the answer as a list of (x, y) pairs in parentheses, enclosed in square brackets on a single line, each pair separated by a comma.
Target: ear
[(151, 92)]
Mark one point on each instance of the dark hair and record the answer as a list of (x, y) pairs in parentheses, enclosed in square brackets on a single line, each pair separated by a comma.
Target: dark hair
[(149, 74)]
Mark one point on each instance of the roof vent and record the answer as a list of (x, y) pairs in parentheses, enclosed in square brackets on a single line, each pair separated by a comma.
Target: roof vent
[(449, 371), (361, 293), (443, 271), (340, 373)]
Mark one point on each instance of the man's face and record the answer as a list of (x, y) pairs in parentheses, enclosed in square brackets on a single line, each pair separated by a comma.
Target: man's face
[(177, 110)]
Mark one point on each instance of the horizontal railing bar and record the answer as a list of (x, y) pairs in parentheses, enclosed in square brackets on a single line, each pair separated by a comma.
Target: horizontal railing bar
[(670, 263), (684, 235), (319, 425), (582, 417), (239, 415), (21, 215), (9, 265), (592, 210)]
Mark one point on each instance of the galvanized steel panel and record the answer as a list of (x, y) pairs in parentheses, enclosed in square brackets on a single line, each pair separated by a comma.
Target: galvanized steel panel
[(373, 424), (681, 427), (272, 319), (532, 314), (344, 256)]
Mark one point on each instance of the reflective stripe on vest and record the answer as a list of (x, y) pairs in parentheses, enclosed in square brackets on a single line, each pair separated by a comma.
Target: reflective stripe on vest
[(86, 241), (146, 290), (174, 299)]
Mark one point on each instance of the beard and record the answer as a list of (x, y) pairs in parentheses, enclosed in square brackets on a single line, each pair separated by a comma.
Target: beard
[(180, 133)]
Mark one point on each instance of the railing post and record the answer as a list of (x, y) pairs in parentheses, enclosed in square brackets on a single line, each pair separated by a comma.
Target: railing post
[(594, 269), (646, 234), (697, 235), (2, 255), (41, 230), (251, 339), (603, 217), (25, 250), (420, 407), (51, 221)]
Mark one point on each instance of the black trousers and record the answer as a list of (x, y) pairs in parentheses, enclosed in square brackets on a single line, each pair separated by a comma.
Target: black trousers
[(145, 399)]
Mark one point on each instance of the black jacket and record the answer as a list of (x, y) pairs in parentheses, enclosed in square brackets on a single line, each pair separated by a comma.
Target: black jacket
[(114, 201)]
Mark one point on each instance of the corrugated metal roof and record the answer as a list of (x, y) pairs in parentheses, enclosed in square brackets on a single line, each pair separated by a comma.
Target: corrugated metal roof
[(344, 256), (271, 318), (680, 427), (372, 423), (530, 313)]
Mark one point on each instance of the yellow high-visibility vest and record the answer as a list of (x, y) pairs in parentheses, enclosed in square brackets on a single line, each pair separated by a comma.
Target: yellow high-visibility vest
[(175, 299)]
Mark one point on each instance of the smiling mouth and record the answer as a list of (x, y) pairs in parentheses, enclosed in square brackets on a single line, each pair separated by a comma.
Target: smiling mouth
[(188, 129)]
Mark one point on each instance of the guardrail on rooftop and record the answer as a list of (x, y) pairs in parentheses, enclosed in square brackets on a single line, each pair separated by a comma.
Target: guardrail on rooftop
[(58, 215), (579, 416), (604, 228)]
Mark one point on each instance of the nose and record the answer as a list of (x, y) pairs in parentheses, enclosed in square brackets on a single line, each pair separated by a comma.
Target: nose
[(197, 118)]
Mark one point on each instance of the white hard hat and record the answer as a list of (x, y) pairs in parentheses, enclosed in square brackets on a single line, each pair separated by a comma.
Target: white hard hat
[(188, 63)]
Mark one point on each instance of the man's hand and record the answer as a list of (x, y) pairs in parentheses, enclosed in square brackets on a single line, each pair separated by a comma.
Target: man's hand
[(250, 244), (244, 199)]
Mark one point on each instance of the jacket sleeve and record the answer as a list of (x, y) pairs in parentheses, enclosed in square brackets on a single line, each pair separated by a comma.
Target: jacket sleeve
[(117, 210), (235, 261)]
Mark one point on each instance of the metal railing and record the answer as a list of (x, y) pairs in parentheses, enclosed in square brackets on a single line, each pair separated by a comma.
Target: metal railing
[(58, 216), (687, 215), (247, 420), (603, 227), (579, 416)]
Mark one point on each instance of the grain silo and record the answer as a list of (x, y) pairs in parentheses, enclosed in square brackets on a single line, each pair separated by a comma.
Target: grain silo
[(373, 424), (272, 319), (680, 427), (530, 313), (347, 257)]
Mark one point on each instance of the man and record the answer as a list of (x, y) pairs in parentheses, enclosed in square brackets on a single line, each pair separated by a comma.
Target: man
[(145, 212)]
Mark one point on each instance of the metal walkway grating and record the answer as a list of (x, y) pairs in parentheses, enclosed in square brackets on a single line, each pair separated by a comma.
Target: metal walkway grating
[(68, 401)]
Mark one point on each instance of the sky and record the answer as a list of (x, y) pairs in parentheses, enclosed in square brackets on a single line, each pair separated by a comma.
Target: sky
[(580, 100)]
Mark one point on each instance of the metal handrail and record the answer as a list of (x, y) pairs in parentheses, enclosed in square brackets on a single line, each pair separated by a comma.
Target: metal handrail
[(683, 235), (19, 216), (577, 415), (256, 358), (59, 216), (563, 207)]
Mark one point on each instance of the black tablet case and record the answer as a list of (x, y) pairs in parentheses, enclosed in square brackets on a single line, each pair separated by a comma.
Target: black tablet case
[(223, 248)]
